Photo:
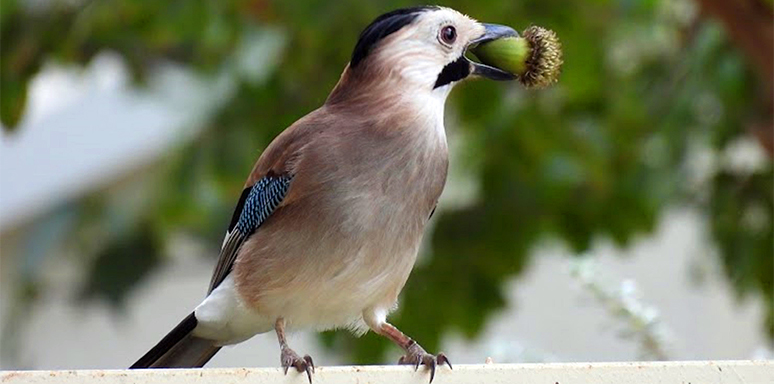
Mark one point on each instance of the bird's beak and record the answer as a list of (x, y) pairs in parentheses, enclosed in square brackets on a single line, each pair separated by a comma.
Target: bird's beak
[(492, 32)]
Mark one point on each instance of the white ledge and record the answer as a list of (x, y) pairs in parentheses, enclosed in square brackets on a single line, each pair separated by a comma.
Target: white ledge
[(678, 372)]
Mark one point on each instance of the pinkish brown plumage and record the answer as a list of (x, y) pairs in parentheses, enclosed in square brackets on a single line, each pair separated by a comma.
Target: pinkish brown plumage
[(328, 229)]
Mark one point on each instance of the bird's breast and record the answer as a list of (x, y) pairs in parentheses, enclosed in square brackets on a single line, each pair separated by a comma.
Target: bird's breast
[(395, 185)]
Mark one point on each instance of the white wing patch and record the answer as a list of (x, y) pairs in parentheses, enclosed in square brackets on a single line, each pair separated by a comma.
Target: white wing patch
[(225, 238)]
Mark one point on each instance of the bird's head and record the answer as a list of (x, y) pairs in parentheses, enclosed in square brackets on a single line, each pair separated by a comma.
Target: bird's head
[(421, 50)]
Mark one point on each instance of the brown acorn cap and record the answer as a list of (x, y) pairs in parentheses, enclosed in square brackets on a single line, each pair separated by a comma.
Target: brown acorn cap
[(545, 61)]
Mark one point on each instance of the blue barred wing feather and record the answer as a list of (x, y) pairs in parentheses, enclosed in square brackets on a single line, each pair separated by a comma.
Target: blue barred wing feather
[(256, 204)]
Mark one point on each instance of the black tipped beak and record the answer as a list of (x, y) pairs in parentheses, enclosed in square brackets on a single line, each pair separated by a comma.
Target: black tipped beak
[(492, 32)]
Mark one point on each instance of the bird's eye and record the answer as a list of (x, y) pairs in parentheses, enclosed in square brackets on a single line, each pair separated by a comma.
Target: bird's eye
[(448, 34)]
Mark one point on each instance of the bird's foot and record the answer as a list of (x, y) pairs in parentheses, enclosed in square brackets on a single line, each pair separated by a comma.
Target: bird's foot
[(289, 358), (416, 356)]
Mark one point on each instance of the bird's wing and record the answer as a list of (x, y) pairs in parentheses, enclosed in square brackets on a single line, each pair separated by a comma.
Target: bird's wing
[(255, 205)]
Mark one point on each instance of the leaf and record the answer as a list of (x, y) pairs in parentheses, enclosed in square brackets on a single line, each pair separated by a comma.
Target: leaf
[(12, 103)]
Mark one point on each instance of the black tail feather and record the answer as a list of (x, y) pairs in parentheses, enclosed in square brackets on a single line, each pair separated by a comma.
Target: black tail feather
[(179, 349)]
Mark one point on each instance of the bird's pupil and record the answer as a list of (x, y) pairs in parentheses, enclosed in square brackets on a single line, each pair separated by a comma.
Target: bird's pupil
[(449, 34)]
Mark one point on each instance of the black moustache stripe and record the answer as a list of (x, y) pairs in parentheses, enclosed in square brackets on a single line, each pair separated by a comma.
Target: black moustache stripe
[(454, 71)]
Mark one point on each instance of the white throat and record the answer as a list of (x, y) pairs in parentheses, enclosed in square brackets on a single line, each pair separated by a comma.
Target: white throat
[(430, 107)]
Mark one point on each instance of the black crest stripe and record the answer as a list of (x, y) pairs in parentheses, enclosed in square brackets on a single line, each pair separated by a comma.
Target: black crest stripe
[(454, 71), (382, 27)]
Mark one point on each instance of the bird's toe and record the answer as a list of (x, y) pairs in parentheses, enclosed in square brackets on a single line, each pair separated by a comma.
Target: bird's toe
[(290, 359), (417, 356)]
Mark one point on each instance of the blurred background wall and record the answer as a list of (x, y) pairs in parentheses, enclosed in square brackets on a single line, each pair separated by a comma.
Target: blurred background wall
[(624, 213)]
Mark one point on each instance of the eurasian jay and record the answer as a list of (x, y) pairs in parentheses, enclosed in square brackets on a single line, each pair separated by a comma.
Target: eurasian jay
[(330, 221)]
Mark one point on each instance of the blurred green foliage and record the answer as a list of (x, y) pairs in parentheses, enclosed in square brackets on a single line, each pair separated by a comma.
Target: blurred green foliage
[(602, 153)]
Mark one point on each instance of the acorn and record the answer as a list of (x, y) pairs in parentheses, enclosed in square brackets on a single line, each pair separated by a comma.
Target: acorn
[(535, 57)]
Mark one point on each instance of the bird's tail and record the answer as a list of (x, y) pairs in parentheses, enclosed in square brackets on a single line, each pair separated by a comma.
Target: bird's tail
[(179, 349)]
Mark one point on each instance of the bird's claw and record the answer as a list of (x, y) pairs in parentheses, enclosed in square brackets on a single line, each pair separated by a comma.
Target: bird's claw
[(417, 356), (290, 359)]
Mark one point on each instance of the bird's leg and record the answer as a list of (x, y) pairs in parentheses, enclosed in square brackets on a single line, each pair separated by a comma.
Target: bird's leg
[(415, 354), (290, 358)]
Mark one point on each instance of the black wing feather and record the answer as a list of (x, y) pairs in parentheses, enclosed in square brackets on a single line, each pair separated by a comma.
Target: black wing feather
[(238, 209)]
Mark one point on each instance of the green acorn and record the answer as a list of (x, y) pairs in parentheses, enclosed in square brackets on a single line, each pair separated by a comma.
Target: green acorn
[(535, 57)]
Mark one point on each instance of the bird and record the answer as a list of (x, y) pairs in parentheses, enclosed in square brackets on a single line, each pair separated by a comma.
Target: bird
[(328, 226)]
